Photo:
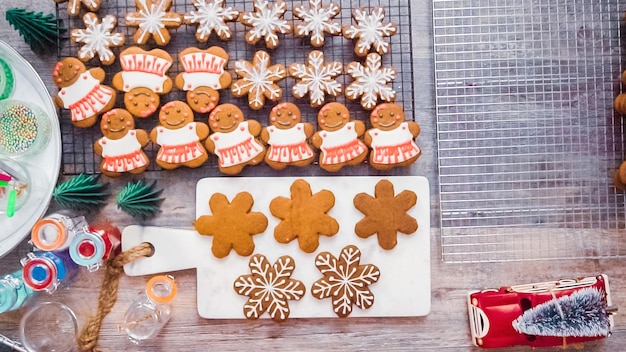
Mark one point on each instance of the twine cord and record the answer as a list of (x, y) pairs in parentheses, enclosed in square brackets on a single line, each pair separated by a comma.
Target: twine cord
[(114, 267)]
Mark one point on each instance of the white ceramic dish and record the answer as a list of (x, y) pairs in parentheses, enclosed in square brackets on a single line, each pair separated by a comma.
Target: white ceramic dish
[(43, 167)]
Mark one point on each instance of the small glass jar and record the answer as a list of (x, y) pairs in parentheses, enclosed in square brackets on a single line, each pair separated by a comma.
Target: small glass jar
[(56, 231), (149, 313), (49, 326), (25, 128), (44, 271), (13, 292), (15, 186), (95, 245)]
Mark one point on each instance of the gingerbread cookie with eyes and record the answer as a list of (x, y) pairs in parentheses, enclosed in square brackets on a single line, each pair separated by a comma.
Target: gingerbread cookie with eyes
[(391, 138), (203, 76), (338, 138), (234, 140), (81, 91), (287, 138), (179, 137), (121, 146), (143, 79)]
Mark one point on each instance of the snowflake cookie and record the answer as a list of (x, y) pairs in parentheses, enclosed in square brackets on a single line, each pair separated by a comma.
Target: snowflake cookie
[(317, 20), (369, 31), (370, 82), (345, 281), (258, 80), (97, 38), (153, 19), (232, 224), (210, 16), (316, 79), (266, 22), (73, 6), (269, 287), (385, 214), (304, 216)]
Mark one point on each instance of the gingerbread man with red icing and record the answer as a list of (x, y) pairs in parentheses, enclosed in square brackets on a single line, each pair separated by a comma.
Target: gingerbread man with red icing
[(338, 138), (287, 138), (234, 140), (391, 138), (121, 147), (179, 137), (81, 91)]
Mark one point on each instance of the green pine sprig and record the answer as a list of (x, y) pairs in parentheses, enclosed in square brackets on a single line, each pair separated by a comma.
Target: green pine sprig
[(41, 32), (80, 191), (139, 199)]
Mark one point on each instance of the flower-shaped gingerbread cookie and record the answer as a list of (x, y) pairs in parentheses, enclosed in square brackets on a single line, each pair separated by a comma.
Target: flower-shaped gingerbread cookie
[(316, 79), (287, 138), (81, 91), (97, 38), (258, 80), (74, 6), (304, 216), (210, 16), (370, 82), (232, 224), (179, 136), (142, 79), (338, 138), (203, 76), (391, 138), (121, 146), (370, 31), (152, 20), (317, 20), (266, 22), (234, 140)]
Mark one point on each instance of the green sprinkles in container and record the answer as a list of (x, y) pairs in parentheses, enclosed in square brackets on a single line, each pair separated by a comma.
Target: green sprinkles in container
[(6, 80), (20, 128)]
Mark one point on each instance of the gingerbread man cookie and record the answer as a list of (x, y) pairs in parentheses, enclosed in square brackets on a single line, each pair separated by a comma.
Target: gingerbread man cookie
[(143, 78), (81, 91), (97, 38), (179, 137), (266, 22), (203, 76), (121, 146), (211, 16), (234, 140), (287, 138), (338, 138), (391, 138), (152, 20)]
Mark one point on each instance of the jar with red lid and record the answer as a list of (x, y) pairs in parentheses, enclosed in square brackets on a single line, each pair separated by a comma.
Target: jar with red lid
[(95, 245), (44, 271)]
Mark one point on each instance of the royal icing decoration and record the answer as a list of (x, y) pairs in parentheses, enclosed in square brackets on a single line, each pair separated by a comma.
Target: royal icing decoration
[(122, 155), (345, 281), (86, 97), (258, 80), (370, 82), (342, 145), (236, 147), (269, 287), (97, 38), (73, 6), (266, 21), (211, 15), (316, 20), (152, 18), (370, 31), (393, 146), (180, 145), (202, 69), (144, 70), (289, 145), (316, 79)]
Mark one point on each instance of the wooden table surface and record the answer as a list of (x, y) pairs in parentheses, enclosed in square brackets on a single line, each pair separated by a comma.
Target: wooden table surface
[(445, 328)]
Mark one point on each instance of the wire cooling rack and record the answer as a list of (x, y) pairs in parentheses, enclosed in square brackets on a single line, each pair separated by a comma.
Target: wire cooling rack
[(527, 137), (78, 156)]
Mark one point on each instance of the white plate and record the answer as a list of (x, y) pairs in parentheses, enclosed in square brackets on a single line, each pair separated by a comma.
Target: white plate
[(43, 167)]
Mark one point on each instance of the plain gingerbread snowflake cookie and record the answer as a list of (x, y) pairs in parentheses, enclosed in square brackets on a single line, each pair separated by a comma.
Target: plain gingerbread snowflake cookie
[(369, 31)]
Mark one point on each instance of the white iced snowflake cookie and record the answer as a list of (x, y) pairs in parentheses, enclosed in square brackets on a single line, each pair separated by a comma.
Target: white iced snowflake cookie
[(316, 79), (316, 21), (370, 82), (97, 38), (370, 31), (258, 80), (211, 16), (266, 22), (153, 19), (74, 6)]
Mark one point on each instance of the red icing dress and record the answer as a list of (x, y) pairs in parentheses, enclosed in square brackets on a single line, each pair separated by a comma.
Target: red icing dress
[(288, 146), (180, 145), (122, 155), (394, 146), (342, 145), (236, 147), (86, 97)]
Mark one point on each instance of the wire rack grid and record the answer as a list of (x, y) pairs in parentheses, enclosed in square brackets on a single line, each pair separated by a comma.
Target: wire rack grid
[(527, 137), (78, 156)]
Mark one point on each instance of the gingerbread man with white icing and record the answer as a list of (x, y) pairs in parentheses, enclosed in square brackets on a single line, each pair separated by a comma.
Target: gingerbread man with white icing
[(203, 76), (234, 140), (391, 138), (81, 91), (338, 138), (287, 138), (121, 147), (179, 136)]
